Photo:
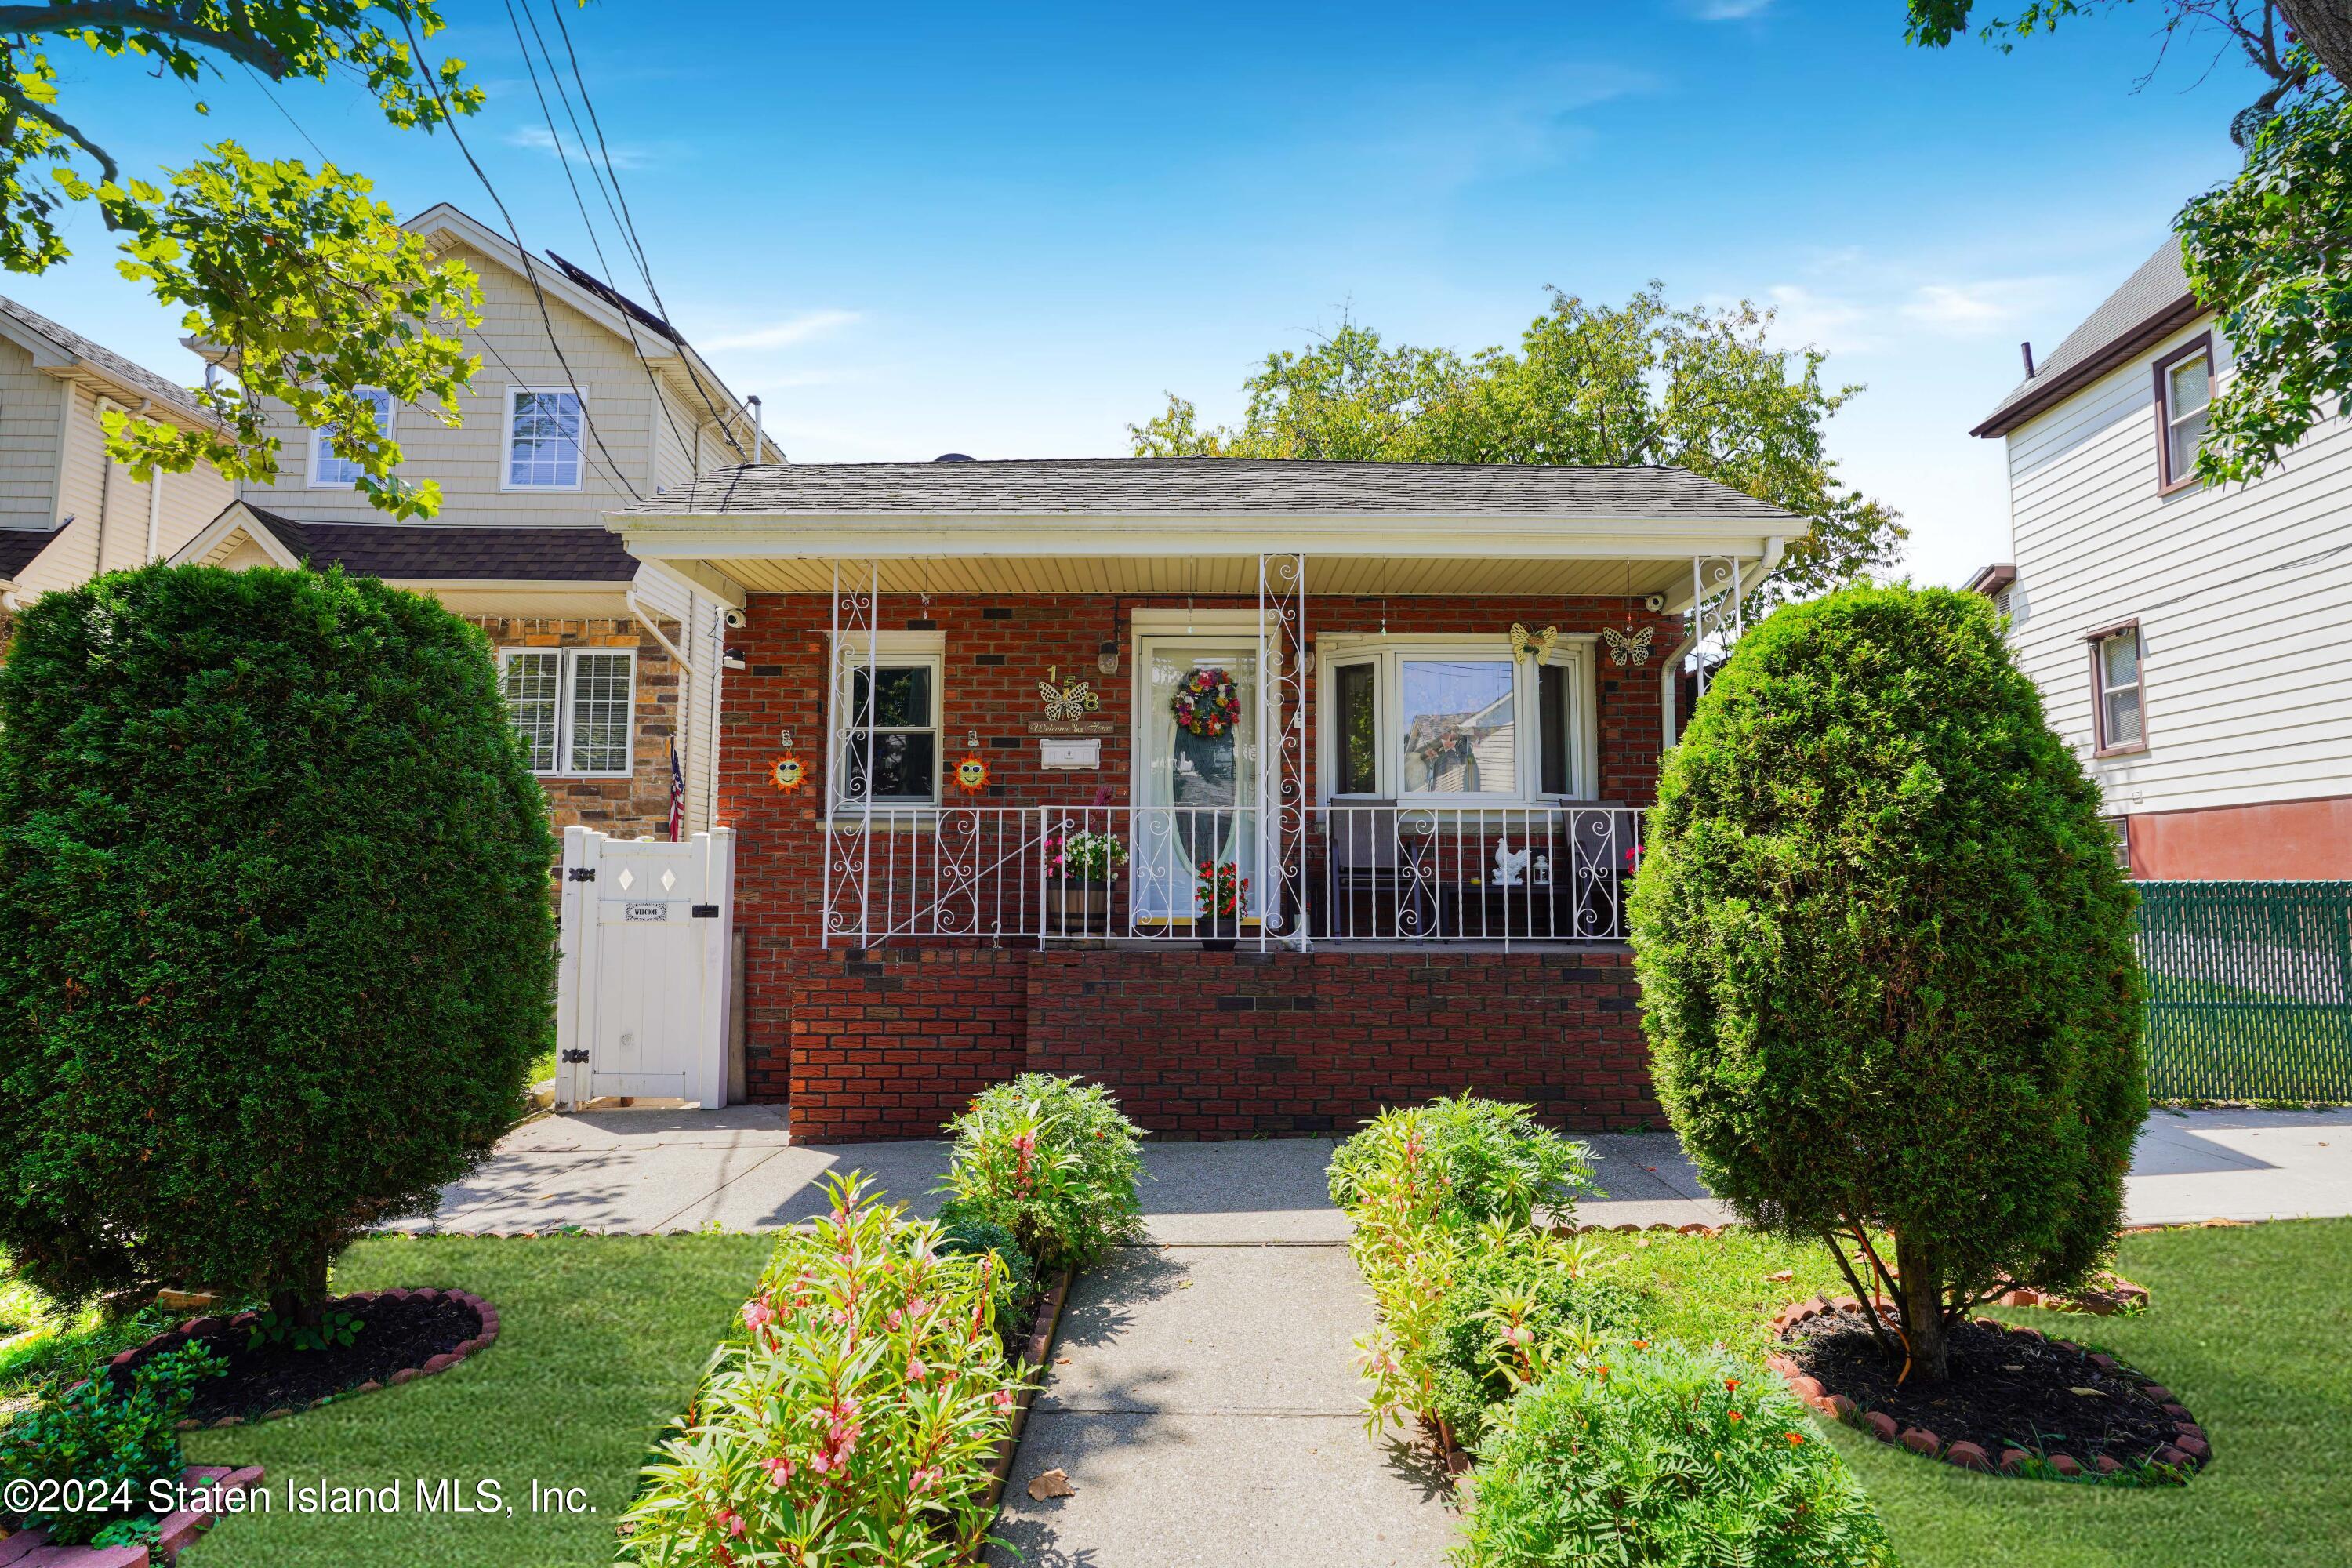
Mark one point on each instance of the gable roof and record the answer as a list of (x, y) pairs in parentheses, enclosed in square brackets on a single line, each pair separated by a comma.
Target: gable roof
[(2153, 304), (19, 545), (1222, 487), (73, 352), (445, 551)]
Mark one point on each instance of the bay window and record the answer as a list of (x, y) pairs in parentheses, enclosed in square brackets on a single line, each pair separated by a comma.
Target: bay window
[(1457, 720)]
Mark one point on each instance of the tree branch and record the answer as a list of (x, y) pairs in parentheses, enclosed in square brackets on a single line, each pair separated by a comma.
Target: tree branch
[(14, 96), (145, 18)]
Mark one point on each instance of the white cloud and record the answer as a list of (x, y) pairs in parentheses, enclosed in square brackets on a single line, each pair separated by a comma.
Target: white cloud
[(1728, 10), (787, 333), (538, 139), (1966, 309)]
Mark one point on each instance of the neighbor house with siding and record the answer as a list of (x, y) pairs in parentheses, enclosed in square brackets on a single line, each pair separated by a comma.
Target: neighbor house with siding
[(2193, 644), (585, 401), (68, 511)]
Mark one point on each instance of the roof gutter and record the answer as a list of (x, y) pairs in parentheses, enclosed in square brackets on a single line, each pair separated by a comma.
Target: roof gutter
[(2035, 400)]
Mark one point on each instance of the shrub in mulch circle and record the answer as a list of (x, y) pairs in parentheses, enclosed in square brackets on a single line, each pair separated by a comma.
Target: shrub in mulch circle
[(2017, 1400), (268, 1369)]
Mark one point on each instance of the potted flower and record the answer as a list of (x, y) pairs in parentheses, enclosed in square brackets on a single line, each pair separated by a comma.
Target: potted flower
[(1222, 892), (1080, 868)]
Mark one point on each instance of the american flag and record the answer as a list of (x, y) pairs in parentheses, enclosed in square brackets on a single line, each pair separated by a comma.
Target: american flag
[(677, 796)]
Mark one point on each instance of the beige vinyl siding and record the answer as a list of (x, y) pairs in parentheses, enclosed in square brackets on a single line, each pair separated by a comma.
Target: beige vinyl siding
[(30, 405), (108, 509), (2245, 615), (469, 462)]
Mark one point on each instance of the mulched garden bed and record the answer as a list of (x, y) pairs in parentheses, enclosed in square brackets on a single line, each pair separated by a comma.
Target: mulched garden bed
[(2014, 1396), (404, 1334)]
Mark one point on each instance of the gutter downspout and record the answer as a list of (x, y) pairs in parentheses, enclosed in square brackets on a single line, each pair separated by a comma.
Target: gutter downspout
[(1776, 550)]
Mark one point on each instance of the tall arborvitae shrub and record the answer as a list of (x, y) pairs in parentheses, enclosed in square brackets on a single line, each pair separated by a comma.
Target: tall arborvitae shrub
[(1886, 957), (281, 949)]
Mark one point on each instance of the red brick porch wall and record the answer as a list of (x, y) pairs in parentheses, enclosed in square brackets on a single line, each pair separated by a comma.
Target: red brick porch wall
[(891, 1043)]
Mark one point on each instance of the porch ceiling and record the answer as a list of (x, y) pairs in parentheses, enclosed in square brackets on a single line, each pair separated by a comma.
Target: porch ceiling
[(1219, 574)]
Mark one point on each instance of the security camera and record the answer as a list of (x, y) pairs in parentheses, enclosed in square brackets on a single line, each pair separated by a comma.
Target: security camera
[(1653, 603), (737, 619)]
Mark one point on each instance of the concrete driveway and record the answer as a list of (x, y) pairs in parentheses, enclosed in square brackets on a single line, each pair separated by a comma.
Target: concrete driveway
[(737, 1169)]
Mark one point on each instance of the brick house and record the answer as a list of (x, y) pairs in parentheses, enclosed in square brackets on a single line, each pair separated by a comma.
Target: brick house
[(1355, 754)]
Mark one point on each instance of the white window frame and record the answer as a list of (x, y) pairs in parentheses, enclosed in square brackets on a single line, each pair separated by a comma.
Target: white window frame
[(321, 454), (566, 692), (2104, 743), (891, 650), (2172, 474), (1573, 652), (507, 439)]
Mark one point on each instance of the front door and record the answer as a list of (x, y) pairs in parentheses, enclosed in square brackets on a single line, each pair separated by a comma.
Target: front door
[(1196, 793)]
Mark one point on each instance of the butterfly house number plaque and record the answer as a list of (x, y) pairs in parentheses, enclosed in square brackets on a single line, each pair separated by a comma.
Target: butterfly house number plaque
[(1068, 708)]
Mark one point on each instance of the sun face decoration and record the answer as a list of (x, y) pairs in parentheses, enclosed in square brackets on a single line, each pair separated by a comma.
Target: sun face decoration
[(971, 774), (788, 774)]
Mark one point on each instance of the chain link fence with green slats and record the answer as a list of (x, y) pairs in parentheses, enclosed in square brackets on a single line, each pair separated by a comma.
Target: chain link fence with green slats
[(2250, 989)]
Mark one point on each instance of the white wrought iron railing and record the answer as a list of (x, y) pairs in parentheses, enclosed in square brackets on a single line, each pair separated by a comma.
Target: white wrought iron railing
[(1359, 872)]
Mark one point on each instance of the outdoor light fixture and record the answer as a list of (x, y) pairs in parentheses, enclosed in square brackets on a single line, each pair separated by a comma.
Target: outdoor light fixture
[(1107, 656)]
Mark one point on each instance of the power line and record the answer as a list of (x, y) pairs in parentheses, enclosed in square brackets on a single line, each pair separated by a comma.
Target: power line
[(529, 272), (628, 221), (564, 157)]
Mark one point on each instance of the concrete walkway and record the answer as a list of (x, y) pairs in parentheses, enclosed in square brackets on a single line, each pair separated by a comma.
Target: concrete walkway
[(665, 1170)]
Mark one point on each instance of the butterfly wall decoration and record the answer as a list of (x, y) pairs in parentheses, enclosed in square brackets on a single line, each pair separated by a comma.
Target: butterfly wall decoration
[(1633, 649), (1065, 704), (1525, 642)]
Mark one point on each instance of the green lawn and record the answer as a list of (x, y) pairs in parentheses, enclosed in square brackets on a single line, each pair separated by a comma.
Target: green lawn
[(601, 1340), (2249, 1327)]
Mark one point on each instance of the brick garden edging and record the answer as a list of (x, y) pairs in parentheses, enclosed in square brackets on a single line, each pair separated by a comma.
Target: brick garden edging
[(200, 1328), (1037, 1355), (175, 1534), (2189, 1451)]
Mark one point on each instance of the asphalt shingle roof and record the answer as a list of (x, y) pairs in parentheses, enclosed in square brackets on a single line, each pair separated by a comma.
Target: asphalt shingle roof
[(69, 341), (1209, 486), (19, 545), (450, 552), (2152, 301)]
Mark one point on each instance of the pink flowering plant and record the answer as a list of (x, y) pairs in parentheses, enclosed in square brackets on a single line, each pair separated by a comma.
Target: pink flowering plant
[(856, 1419), (1053, 1161)]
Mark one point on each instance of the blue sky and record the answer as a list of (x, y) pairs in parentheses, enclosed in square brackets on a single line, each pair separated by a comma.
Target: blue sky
[(1011, 230)]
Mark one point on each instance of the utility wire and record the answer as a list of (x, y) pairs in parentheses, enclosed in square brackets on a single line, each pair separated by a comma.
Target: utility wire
[(563, 156), (628, 221), (529, 271), (491, 347)]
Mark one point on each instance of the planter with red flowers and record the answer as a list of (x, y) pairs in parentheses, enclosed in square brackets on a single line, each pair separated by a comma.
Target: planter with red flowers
[(1220, 893)]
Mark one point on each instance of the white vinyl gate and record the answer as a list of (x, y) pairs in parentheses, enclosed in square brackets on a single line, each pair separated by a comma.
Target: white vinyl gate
[(642, 993)]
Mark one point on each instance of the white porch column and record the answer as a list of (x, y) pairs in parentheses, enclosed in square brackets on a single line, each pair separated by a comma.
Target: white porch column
[(1282, 786)]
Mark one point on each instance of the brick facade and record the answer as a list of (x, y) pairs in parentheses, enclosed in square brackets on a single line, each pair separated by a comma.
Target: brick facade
[(629, 807), (891, 1045)]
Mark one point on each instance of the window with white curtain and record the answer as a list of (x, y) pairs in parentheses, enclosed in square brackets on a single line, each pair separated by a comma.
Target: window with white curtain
[(574, 709), (1462, 720)]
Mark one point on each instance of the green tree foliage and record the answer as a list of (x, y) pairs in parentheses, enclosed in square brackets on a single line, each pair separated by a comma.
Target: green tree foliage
[(302, 274), (1643, 383), (280, 947), (2270, 249), (1886, 957)]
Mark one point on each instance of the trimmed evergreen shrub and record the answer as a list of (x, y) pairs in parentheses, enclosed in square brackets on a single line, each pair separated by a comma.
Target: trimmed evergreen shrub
[(1664, 1456), (1051, 1160), (280, 946), (1886, 957)]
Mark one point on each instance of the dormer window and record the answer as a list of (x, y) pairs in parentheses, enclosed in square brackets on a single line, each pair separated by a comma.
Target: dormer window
[(330, 473), (2184, 400)]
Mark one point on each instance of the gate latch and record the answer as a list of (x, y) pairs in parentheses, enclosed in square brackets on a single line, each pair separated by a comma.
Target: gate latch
[(577, 1054), (706, 912), (580, 873)]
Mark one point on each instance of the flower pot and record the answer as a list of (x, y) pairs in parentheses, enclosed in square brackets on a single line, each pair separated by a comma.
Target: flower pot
[(1076, 908), (1217, 932)]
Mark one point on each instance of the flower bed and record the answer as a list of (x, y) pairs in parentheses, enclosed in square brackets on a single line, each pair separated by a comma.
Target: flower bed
[(2016, 1401), (395, 1336)]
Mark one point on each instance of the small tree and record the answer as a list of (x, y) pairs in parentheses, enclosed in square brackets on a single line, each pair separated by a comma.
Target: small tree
[(280, 949), (1886, 957)]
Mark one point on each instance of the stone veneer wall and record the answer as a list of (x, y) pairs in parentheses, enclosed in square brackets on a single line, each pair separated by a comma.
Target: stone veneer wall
[(624, 807)]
